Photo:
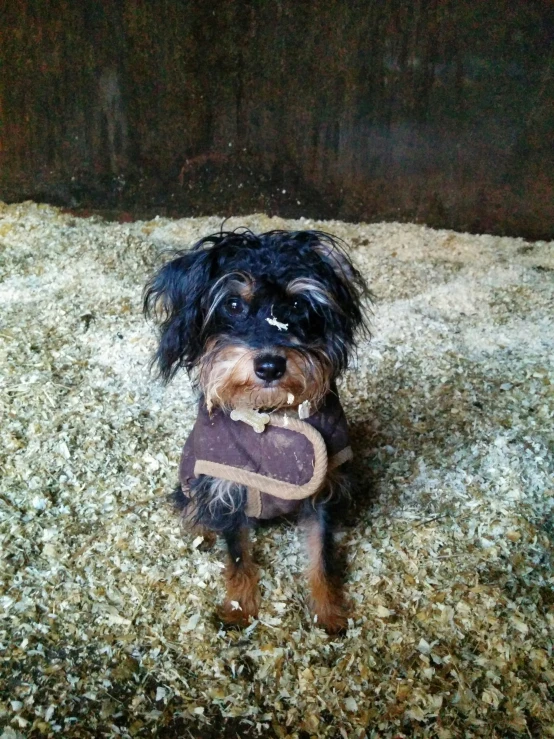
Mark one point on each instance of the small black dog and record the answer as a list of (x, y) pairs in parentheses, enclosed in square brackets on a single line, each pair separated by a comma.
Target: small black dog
[(264, 324)]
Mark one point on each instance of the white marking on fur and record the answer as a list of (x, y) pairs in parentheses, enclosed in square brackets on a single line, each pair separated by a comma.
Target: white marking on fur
[(222, 491)]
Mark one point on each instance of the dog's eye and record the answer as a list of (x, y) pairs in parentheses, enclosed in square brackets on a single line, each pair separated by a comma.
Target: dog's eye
[(234, 306), (298, 307)]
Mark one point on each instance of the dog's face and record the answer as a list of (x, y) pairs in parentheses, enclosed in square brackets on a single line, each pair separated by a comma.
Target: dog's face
[(260, 321)]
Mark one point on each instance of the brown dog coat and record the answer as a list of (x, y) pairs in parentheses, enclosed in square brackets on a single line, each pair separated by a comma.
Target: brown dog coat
[(280, 467)]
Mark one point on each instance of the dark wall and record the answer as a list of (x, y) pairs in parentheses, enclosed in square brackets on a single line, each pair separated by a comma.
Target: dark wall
[(439, 111)]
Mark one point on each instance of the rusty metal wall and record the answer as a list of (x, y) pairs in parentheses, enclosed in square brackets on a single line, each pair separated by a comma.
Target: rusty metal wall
[(439, 112)]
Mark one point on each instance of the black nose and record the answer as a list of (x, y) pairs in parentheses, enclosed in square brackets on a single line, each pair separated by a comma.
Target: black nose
[(270, 367)]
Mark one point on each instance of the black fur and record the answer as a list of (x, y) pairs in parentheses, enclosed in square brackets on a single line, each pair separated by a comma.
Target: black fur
[(179, 296), (208, 511), (214, 513), (178, 499)]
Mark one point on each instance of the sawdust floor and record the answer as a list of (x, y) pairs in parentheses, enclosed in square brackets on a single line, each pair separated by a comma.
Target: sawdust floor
[(106, 608)]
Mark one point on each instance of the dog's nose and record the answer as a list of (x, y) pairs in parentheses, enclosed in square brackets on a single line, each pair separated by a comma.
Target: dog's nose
[(270, 367)]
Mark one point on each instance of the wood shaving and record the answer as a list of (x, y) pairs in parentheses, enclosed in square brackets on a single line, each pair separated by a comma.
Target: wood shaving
[(107, 623), (304, 410), (278, 325)]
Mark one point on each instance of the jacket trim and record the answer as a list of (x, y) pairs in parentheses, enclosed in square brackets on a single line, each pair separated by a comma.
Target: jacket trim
[(254, 496), (277, 488)]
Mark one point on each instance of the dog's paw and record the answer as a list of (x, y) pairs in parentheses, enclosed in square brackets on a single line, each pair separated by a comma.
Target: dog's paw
[(234, 615), (334, 623), (243, 595), (205, 541), (331, 614)]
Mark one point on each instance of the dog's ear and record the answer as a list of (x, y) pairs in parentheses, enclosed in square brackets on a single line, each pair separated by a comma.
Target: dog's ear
[(331, 253), (173, 298), (351, 291)]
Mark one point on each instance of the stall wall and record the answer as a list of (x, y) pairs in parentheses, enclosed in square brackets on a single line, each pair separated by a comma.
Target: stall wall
[(439, 112)]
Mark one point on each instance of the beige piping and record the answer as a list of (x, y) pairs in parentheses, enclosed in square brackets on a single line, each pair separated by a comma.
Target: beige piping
[(278, 488), (257, 483)]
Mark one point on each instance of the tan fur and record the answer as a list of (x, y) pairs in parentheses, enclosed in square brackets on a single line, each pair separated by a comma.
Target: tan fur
[(327, 598), (242, 589), (228, 379)]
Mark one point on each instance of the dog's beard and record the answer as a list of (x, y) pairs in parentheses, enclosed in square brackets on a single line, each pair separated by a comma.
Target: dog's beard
[(226, 376)]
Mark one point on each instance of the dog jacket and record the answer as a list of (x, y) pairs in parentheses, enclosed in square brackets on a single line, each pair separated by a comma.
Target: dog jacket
[(285, 463)]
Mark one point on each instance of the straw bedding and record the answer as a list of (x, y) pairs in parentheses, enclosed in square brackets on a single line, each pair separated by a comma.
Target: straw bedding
[(106, 606)]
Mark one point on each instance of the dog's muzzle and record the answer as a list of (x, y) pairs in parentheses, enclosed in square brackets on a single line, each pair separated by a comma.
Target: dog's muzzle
[(269, 367)]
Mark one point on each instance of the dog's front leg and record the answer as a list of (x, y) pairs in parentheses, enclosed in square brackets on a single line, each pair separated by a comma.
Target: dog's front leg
[(327, 597), (241, 576)]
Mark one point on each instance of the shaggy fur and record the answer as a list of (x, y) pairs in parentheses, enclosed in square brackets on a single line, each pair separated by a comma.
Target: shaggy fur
[(260, 321)]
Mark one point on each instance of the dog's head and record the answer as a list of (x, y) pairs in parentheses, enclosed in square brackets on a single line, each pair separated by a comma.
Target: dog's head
[(258, 321)]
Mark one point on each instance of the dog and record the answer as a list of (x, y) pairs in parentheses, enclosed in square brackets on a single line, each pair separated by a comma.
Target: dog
[(264, 325)]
